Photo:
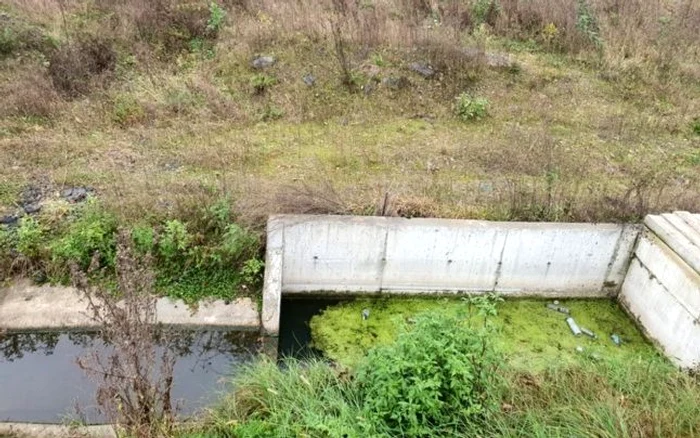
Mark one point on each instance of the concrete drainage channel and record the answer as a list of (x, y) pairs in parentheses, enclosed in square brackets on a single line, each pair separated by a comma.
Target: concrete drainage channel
[(46, 329), (653, 269)]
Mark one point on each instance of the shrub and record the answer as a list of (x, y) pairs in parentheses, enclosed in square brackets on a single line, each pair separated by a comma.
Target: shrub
[(30, 236), (235, 243), (695, 126), (262, 82), (252, 271), (93, 232), (587, 24), (17, 37), (170, 26), (435, 379), (135, 376), (78, 65), (174, 241), (485, 11), (126, 111), (217, 16), (144, 239), (471, 108), (271, 112), (31, 95)]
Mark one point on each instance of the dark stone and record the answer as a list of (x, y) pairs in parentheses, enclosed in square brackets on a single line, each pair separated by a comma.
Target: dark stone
[(422, 69), (309, 80), (74, 194), (262, 62), (8, 219), (31, 195), (368, 88), (32, 208), (395, 83)]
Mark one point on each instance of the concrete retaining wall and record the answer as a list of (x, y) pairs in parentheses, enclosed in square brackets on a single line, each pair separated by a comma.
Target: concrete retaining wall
[(662, 288), (348, 254)]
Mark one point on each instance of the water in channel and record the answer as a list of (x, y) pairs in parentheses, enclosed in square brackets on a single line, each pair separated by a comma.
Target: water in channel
[(40, 381)]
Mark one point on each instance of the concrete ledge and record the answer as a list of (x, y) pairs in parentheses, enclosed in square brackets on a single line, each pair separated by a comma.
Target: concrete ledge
[(28, 430), (679, 232), (351, 254), (662, 293), (24, 306)]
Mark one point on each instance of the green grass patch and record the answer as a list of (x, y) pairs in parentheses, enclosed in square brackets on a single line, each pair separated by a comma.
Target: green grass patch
[(530, 335), (445, 375)]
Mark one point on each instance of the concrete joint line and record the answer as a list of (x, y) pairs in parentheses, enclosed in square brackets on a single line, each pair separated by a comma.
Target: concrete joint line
[(499, 267), (653, 277)]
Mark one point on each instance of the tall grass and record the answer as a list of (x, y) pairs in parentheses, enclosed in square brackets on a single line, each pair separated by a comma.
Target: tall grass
[(595, 397)]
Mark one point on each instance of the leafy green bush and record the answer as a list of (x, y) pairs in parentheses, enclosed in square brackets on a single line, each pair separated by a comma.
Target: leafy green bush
[(695, 126), (262, 82), (217, 16), (127, 111), (30, 237), (144, 239), (485, 11), (174, 241), (471, 108), (235, 243), (93, 231), (435, 379), (587, 24), (252, 271)]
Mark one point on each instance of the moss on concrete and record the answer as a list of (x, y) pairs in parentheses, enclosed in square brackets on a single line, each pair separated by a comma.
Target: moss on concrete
[(530, 335)]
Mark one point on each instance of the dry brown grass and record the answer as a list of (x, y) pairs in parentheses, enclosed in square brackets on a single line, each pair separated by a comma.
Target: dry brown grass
[(564, 139), (31, 95)]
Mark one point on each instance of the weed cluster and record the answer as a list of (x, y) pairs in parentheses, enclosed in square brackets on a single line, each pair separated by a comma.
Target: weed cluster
[(439, 380), (471, 108), (220, 260)]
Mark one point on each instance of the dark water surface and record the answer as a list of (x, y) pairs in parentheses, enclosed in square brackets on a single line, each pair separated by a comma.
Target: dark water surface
[(40, 381), (295, 333)]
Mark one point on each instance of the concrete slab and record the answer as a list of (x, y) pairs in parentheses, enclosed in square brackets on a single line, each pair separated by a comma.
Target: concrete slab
[(661, 316), (27, 430), (678, 235), (25, 306)]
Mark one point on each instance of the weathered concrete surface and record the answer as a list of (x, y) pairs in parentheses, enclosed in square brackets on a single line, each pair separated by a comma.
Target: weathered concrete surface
[(27, 430), (663, 293), (24, 306), (272, 288), (379, 254), (679, 232)]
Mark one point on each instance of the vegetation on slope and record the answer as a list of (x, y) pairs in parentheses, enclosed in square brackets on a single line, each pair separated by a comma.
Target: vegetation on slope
[(446, 376), (499, 109)]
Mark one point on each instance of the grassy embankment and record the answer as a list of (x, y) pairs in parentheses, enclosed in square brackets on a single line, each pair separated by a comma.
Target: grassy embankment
[(538, 110)]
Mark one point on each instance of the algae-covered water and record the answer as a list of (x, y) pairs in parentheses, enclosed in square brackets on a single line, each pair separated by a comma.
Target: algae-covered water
[(529, 334)]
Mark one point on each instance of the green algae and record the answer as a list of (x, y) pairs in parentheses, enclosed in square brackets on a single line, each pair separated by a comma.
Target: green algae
[(530, 335)]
